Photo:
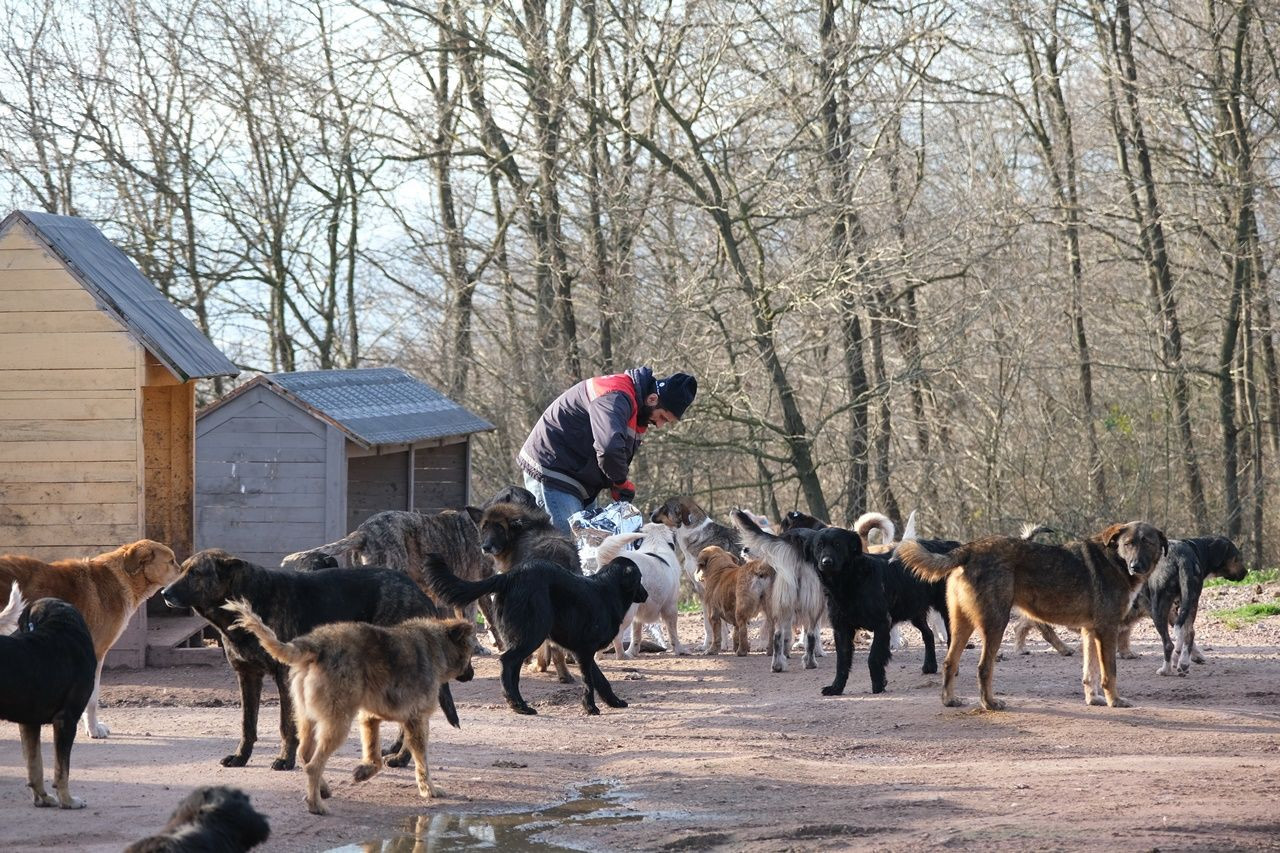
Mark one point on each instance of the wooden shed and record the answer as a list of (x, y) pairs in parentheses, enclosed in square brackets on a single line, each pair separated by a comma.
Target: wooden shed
[(289, 461), (97, 401)]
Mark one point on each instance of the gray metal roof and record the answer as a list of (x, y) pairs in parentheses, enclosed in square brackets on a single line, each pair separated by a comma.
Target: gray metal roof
[(379, 405), (114, 281)]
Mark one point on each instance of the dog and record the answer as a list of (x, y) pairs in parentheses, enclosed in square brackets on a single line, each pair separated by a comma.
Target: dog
[(10, 616), (398, 539), (537, 599), (512, 494), (1088, 584), (211, 819), (512, 532), (106, 590), (875, 592), (48, 669), (796, 592), (1171, 595), (660, 573), (733, 592), (867, 522), (292, 603), (694, 531), (377, 672)]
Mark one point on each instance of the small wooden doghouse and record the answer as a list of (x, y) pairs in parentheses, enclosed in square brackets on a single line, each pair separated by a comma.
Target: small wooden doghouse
[(289, 461), (97, 401)]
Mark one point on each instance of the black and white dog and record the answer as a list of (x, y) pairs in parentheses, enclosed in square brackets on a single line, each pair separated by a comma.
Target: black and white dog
[(1179, 579)]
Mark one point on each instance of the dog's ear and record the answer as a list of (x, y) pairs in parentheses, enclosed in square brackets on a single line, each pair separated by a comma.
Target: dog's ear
[(685, 518), (1113, 533), (476, 514), (136, 556), (1164, 543), (855, 544), (460, 631)]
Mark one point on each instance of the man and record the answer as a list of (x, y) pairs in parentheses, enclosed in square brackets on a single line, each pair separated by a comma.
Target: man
[(585, 440)]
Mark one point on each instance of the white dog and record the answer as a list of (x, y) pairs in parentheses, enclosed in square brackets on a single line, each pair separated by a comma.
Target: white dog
[(660, 570)]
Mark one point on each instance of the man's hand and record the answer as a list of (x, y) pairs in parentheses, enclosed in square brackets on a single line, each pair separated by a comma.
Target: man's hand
[(624, 491)]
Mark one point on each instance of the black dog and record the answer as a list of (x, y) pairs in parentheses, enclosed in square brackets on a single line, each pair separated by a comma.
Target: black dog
[(210, 820), (797, 520), (292, 603), (873, 592), (46, 677), (1180, 578), (538, 600)]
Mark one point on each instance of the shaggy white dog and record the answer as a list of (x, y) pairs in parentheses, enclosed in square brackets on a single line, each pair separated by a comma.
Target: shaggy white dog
[(660, 570)]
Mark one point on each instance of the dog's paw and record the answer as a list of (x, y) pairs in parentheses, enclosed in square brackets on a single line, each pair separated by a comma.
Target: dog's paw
[(929, 670), (810, 663), (714, 650), (591, 710), (525, 709), (993, 705), (364, 772), (1094, 700), (325, 793), (615, 702), (277, 764), (72, 803), (953, 702), (235, 759), (1128, 655), (43, 801), (1183, 669), (832, 690), (779, 666), (879, 687), (1165, 670), (400, 759), (317, 807), (98, 731), (1068, 652), (565, 679), (1196, 657), (1120, 702)]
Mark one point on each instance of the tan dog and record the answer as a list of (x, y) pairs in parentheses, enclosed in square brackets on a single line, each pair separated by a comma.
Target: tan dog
[(106, 589), (1088, 584), (345, 669), (729, 595)]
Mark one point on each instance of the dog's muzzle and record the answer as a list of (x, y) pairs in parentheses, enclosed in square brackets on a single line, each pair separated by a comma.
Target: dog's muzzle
[(489, 547), (171, 599), (467, 674)]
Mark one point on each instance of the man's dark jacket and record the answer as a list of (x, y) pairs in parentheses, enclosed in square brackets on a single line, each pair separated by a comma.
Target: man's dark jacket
[(585, 440)]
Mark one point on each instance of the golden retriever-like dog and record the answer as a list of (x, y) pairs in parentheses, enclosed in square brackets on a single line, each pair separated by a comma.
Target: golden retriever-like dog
[(1087, 585), (733, 593), (106, 589), (349, 669)]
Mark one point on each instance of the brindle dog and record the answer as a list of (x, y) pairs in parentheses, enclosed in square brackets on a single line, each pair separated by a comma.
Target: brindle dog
[(1088, 584), (513, 533)]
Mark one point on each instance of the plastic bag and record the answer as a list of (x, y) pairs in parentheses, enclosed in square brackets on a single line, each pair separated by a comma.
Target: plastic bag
[(594, 524)]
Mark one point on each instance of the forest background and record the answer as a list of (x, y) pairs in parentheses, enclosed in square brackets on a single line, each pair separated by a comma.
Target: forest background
[(996, 262)]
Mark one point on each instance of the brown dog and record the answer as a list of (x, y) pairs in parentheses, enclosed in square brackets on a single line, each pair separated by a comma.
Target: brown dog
[(728, 596), (1087, 585), (513, 532), (106, 589), (345, 669)]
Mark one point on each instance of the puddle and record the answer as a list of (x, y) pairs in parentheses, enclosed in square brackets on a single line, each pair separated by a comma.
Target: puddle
[(593, 804)]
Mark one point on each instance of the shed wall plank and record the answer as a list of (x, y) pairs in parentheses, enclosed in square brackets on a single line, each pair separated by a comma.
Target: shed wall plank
[(119, 429), (67, 452), (12, 322), (14, 515), (65, 492), (49, 278), (28, 259), (120, 378), (67, 472), (46, 300), (78, 408), (66, 535), (65, 350)]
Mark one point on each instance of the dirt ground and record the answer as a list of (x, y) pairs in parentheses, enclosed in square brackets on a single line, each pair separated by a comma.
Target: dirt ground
[(717, 752)]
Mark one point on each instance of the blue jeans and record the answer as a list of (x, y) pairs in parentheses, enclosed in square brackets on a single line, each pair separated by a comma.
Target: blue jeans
[(558, 504)]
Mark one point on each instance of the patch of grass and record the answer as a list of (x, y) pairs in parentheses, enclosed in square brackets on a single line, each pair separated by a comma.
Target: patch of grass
[(1255, 576), (1238, 617), (689, 605)]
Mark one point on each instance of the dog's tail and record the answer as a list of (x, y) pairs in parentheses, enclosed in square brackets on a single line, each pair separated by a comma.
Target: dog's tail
[(304, 560), (614, 545), (12, 611), (780, 554), (1031, 531), (927, 565), (869, 521), (909, 532), (453, 590), (248, 620)]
